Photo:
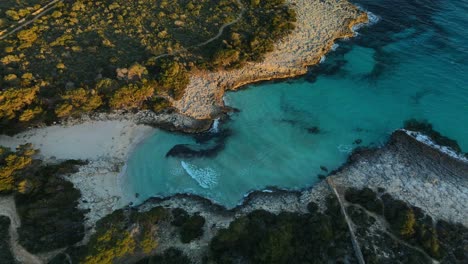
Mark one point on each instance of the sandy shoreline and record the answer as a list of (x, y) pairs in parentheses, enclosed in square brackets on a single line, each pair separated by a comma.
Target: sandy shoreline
[(107, 140), (104, 144)]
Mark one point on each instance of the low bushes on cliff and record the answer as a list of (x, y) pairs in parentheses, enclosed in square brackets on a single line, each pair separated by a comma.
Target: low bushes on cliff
[(46, 203), (262, 237), (15, 166), (124, 233), (6, 255), (441, 240), (191, 227), (170, 256), (366, 198), (48, 209)]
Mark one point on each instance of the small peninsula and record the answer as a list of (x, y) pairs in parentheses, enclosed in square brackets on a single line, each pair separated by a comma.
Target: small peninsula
[(84, 83), (117, 132)]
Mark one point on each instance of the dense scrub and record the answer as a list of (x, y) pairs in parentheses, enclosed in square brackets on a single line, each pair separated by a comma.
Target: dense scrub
[(121, 235), (14, 168), (170, 256), (46, 203), (48, 209), (126, 236), (85, 56), (446, 242), (6, 255), (262, 237), (191, 226)]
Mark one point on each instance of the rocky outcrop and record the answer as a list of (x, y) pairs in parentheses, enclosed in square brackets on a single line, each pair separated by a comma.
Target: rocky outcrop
[(173, 121), (319, 24), (407, 169), (414, 172)]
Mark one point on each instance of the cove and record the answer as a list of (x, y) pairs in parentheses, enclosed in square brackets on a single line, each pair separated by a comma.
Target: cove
[(412, 64)]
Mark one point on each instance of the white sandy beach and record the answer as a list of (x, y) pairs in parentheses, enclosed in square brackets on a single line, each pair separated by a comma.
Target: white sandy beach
[(105, 144), (91, 140)]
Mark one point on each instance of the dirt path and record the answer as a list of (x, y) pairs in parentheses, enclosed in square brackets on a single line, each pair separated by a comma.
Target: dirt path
[(339, 193), (356, 247), (220, 32), (386, 226), (21, 23), (8, 209)]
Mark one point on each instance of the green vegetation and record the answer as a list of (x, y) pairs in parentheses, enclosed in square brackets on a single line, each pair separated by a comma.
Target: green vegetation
[(365, 197), (85, 56), (191, 227), (441, 240), (47, 205), (170, 256), (5, 253), (252, 37), (262, 237), (12, 169), (122, 234)]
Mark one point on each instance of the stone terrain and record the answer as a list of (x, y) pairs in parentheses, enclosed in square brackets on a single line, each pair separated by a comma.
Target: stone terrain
[(407, 169), (413, 172), (105, 140), (319, 24)]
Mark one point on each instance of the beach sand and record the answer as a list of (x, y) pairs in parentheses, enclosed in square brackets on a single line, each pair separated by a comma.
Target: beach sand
[(107, 140), (104, 144)]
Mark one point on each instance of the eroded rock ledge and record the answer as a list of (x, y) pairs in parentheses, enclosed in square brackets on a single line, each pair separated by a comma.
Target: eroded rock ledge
[(406, 169), (319, 24)]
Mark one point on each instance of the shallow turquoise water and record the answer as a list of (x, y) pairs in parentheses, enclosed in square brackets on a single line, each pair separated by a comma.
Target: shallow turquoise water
[(412, 64)]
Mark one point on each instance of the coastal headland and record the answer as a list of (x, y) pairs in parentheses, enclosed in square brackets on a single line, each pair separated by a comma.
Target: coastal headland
[(411, 174), (105, 140)]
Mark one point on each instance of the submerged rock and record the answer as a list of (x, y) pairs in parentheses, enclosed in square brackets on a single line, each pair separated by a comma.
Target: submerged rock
[(173, 121), (313, 130)]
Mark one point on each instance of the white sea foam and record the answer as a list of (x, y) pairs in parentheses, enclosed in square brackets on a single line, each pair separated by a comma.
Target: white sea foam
[(428, 141), (205, 177), (373, 19), (322, 59), (215, 126), (345, 148), (334, 47)]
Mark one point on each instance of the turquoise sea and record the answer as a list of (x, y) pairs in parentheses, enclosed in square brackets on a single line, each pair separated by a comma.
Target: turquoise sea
[(413, 63)]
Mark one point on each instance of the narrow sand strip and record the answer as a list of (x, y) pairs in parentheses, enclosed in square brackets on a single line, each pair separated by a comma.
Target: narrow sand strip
[(105, 144), (8, 209)]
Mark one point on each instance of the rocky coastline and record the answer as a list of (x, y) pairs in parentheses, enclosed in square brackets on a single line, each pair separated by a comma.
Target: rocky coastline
[(405, 168), (401, 144), (312, 38), (319, 25), (410, 167)]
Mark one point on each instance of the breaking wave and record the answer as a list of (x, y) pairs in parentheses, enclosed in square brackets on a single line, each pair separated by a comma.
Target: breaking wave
[(207, 178)]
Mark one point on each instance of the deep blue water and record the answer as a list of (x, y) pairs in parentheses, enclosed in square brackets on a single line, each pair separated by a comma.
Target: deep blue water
[(412, 64)]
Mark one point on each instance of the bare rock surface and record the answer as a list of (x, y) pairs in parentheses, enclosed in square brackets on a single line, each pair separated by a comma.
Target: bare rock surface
[(413, 172), (319, 24), (408, 169)]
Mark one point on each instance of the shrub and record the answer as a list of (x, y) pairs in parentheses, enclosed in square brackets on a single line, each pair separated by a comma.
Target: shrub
[(192, 228), (131, 96)]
